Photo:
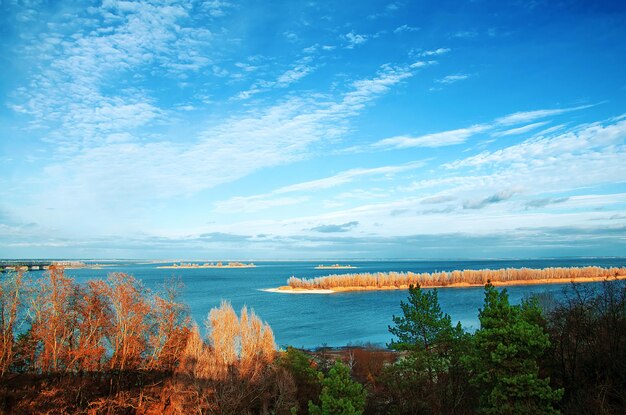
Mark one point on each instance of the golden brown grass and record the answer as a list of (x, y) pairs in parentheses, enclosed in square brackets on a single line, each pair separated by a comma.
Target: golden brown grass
[(504, 276)]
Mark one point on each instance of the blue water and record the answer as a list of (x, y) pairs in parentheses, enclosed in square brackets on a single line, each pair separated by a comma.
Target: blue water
[(337, 319)]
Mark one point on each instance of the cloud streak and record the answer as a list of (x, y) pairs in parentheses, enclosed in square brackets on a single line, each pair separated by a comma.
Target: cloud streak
[(262, 201), (461, 135), (344, 227)]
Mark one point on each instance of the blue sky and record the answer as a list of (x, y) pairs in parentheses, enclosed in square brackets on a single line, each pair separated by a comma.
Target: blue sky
[(296, 130)]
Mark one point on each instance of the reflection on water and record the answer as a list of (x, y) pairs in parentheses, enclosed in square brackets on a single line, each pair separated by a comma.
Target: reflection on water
[(334, 319)]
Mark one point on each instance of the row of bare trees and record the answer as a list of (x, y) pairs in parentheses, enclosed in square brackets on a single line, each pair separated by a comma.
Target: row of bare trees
[(444, 278), (54, 325)]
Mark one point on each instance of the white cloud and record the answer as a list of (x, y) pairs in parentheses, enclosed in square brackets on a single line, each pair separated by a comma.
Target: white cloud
[(291, 37), (537, 152), (434, 52), (342, 178), (461, 135), (405, 28), (299, 70), (441, 139), (528, 116), (217, 8), (450, 79), (520, 130), (118, 179), (354, 39), (421, 64), (69, 92)]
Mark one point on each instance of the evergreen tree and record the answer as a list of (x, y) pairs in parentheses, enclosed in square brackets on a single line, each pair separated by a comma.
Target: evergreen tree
[(340, 394), (508, 346), (423, 326), (430, 378)]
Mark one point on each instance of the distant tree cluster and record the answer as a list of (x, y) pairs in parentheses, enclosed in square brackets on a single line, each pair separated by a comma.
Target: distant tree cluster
[(444, 278)]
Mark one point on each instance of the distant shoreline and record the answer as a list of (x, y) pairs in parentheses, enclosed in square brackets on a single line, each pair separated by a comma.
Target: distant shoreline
[(285, 289), (209, 265), (335, 266)]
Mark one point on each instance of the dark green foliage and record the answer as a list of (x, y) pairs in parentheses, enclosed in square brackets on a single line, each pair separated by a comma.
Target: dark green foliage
[(508, 348), (430, 377), (306, 376), (340, 394)]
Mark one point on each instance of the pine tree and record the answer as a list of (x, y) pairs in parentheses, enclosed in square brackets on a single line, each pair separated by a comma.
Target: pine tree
[(430, 378), (340, 394), (509, 344)]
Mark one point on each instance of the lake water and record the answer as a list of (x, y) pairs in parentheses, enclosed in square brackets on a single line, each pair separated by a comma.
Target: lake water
[(337, 319)]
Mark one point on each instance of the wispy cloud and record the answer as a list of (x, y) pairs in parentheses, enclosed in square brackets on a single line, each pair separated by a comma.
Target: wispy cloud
[(465, 34), (262, 201), (344, 227), (543, 202), (565, 146), (434, 52), (528, 116), (299, 70), (495, 198), (520, 130), (451, 79), (70, 90), (217, 8), (461, 135), (444, 138), (405, 28), (237, 146)]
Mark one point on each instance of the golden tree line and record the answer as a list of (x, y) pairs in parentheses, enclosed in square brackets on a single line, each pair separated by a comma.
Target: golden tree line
[(53, 325), (446, 278)]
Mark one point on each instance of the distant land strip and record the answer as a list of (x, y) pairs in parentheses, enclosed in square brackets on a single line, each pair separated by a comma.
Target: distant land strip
[(209, 265), (335, 266), (465, 278)]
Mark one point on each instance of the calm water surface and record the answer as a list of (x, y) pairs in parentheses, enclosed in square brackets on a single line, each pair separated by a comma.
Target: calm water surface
[(336, 319)]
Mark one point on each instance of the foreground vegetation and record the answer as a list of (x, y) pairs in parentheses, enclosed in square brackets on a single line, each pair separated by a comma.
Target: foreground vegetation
[(504, 276), (112, 346)]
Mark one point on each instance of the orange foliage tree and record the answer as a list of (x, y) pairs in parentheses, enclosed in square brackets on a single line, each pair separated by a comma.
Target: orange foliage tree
[(52, 319), (171, 332), (131, 321), (243, 345), (10, 303)]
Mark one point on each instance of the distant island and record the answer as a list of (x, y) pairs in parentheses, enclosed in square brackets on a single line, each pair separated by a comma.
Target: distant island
[(466, 278), (35, 265), (187, 265), (334, 266)]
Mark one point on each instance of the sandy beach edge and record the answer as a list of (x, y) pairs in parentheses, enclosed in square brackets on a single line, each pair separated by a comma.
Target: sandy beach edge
[(285, 289)]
